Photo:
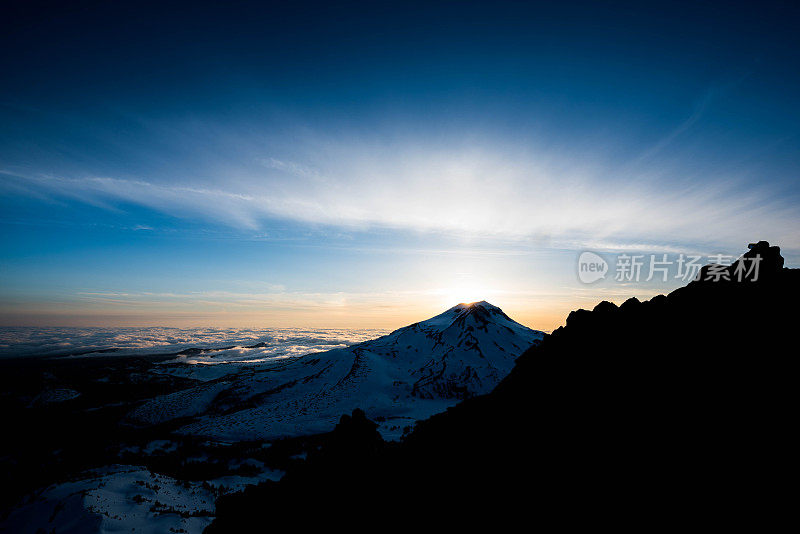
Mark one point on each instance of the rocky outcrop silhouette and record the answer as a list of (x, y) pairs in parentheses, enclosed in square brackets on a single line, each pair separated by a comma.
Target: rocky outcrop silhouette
[(670, 412)]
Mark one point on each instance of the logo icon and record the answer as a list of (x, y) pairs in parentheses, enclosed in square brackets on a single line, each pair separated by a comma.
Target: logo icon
[(591, 267)]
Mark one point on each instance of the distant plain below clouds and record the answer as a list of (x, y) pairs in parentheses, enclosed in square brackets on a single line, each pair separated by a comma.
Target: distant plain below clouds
[(213, 345)]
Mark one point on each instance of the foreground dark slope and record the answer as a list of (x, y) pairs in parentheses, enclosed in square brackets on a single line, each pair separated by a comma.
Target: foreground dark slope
[(678, 408)]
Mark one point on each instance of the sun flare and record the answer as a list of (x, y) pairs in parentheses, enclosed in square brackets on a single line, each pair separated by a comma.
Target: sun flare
[(464, 295)]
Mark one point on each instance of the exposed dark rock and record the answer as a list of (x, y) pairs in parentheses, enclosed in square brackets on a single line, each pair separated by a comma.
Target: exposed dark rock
[(605, 307), (674, 411)]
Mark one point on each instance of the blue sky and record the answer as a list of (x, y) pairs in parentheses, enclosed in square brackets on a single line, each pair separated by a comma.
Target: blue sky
[(369, 165)]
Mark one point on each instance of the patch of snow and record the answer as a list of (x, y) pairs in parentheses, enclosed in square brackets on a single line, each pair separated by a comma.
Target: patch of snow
[(126, 498), (53, 396), (184, 403), (160, 446)]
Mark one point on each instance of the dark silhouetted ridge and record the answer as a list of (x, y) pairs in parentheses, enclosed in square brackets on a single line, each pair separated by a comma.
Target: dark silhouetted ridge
[(675, 411)]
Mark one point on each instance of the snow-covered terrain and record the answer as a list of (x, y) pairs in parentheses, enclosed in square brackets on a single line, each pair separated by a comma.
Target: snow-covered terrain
[(397, 379), (225, 396), (125, 498)]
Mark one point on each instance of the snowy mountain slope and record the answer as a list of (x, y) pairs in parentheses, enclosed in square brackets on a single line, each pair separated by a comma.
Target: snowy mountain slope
[(396, 379)]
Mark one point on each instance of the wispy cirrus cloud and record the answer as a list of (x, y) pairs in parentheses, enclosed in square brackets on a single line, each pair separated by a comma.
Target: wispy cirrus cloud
[(468, 190)]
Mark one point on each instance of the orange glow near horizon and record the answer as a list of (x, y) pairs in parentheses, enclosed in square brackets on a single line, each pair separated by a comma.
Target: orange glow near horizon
[(545, 316)]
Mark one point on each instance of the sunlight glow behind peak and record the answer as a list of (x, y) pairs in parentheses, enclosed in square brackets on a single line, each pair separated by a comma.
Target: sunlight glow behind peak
[(451, 296)]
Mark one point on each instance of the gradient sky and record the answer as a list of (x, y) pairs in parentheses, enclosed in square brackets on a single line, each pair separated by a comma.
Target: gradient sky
[(371, 164)]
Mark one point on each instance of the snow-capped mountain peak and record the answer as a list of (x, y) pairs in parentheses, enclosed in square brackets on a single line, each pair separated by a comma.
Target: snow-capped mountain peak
[(399, 378), (462, 352), (460, 311)]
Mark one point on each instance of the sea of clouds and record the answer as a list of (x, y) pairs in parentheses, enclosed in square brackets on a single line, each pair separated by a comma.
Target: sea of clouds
[(215, 345)]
